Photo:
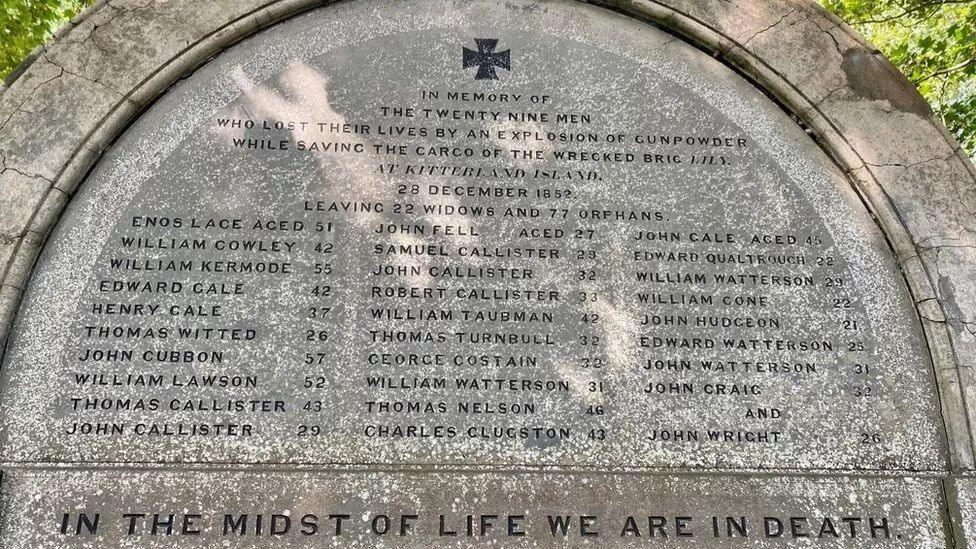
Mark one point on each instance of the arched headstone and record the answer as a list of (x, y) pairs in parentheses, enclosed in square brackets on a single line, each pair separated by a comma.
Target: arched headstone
[(451, 274)]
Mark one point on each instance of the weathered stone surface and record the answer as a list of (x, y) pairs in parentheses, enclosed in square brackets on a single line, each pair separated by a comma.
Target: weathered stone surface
[(962, 493), (101, 48), (86, 87), (13, 99), (904, 512), (20, 196), (816, 63), (644, 387), (938, 223), (54, 119)]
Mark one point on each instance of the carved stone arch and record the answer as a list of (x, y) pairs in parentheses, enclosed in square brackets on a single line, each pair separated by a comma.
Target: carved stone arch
[(63, 108)]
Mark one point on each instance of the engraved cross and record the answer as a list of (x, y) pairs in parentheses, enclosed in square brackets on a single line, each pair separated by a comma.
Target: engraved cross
[(486, 58)]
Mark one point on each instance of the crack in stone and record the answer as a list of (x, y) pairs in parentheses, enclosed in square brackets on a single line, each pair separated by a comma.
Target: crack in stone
[(924, 246), (951, 313), (815, 19), (912, 164), (830, 94), (20, 107), (129, 10), (770, 27), (85, 78), (855, 169), (92, 37), (902, 261), (25, 174), (97, 46), (95, 27), (968, 325), (941, 247), (963, 203), (5, 168)]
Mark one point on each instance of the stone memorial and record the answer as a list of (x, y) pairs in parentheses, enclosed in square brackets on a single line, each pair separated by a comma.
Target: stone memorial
[(450, 273)]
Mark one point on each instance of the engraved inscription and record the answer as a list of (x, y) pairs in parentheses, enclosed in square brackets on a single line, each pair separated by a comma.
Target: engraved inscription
[(403, 265)]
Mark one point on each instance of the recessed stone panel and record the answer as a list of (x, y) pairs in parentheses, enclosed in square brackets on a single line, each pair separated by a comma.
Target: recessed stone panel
[(457, 274), (421, 233), (382, 509)]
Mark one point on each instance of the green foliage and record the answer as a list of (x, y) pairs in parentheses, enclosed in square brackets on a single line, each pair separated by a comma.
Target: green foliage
[(25, 24), (934, 43), (931, 41)]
